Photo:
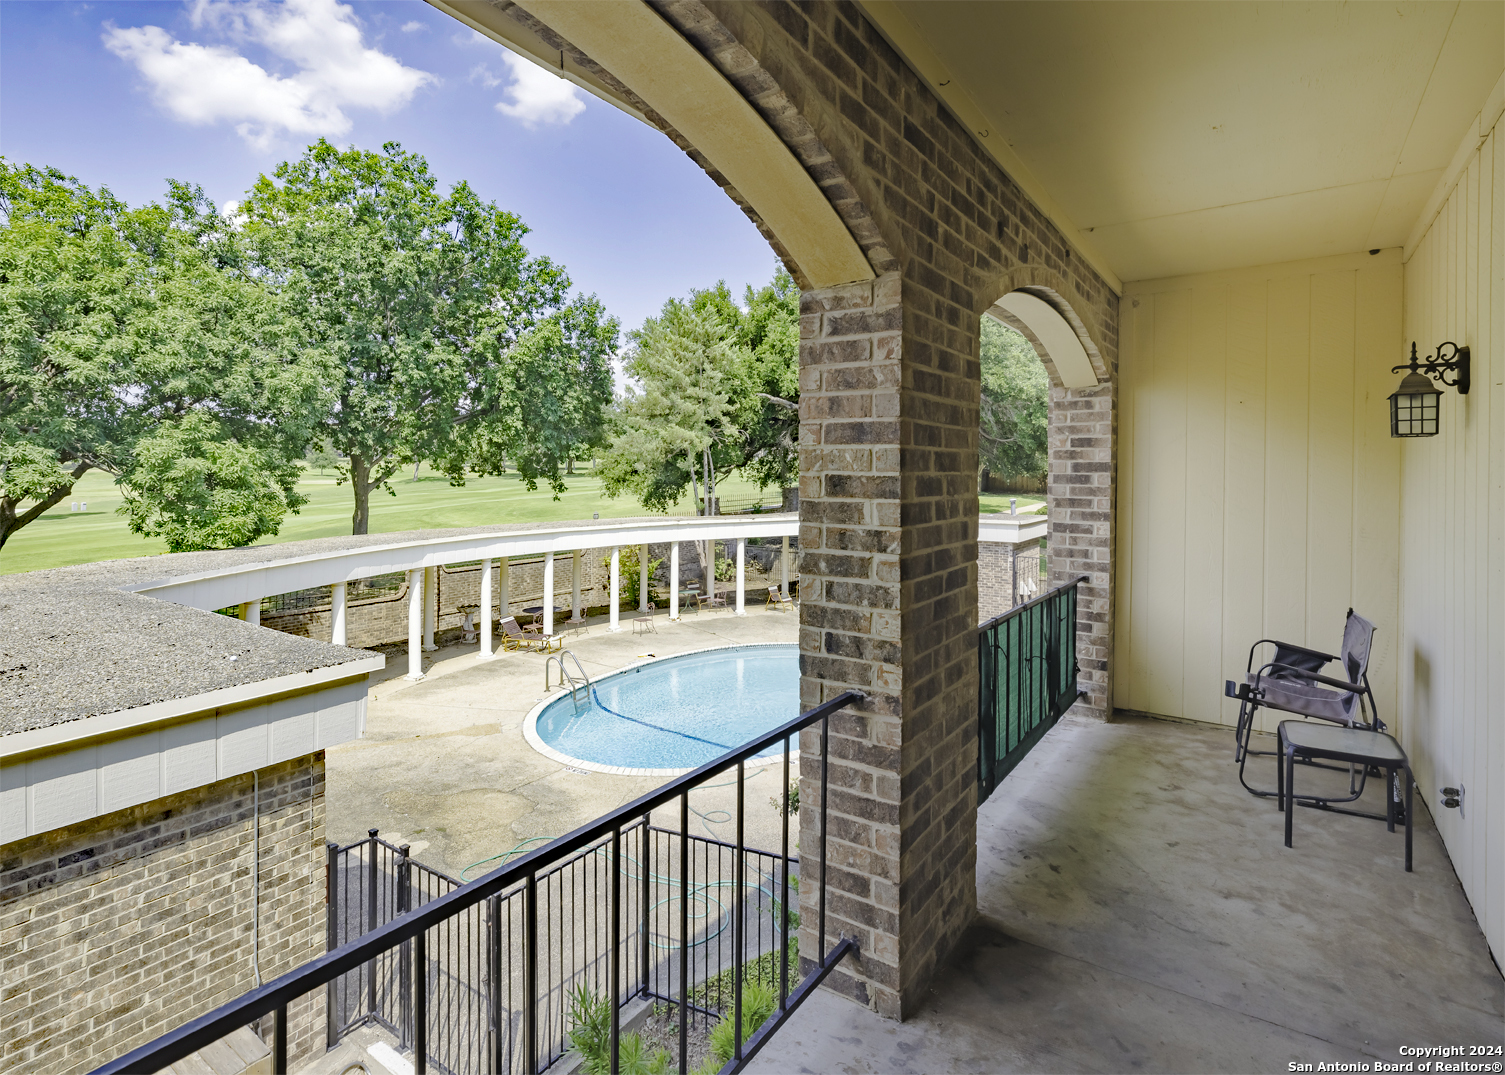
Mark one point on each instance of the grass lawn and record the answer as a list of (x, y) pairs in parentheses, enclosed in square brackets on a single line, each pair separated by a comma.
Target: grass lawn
[(63, 536), (994, 503)]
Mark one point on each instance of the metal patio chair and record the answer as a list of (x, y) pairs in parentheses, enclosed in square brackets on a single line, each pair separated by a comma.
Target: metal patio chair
[(1292, 682)]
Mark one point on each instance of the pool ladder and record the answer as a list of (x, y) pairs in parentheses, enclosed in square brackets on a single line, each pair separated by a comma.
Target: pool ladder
[(577, 683)]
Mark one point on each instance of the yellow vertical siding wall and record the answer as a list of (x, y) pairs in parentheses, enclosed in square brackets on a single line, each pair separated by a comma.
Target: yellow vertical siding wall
[(1452, 654), (1258, 483)]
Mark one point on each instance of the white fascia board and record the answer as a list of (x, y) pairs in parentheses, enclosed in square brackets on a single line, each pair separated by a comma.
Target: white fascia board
[(1011, 529), (231, 586), (75, 733)]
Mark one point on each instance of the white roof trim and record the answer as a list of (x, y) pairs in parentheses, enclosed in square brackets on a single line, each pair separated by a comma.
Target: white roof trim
[(141, 718)]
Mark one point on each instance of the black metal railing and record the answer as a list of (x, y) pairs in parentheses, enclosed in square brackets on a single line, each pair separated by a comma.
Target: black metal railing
[(1027, 677), (481, 977)]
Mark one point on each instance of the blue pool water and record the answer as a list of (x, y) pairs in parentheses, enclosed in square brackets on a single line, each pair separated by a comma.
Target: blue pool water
[(679, 712)]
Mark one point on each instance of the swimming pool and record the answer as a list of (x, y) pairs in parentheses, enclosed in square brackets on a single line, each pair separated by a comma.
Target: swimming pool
[(674, 714)]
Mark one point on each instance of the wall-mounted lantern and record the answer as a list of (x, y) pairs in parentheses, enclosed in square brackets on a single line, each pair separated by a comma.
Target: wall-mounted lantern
[(1414, 405)]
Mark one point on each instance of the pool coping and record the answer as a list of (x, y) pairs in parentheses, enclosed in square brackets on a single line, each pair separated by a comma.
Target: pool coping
[(530, 722)]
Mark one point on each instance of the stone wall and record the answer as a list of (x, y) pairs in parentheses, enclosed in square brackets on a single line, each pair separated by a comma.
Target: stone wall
[(118, 929)]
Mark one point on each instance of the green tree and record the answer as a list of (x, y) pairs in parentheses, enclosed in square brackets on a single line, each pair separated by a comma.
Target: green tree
[(198, 488), (769, 333), (1015, 403), (716, 391), (114, 321), (676, 426), (453, 346)]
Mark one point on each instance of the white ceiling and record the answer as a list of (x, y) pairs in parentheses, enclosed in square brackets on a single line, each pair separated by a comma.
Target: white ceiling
[(1190, 137)]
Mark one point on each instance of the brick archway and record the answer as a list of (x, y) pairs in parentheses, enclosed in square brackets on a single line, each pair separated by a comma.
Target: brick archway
[(1081, 489)]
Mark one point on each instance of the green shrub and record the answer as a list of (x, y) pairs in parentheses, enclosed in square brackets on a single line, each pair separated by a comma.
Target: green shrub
[(629, 569), (590, 1036), (758, 1003)]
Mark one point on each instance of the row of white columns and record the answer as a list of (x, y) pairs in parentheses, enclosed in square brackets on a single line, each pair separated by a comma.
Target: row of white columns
[(423, 592)]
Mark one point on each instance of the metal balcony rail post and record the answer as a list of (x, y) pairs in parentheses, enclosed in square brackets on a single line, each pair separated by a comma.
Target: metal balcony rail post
[(331, 941), (457, 1020), (405, 959), (371, 922), (739, 925), (684, 932), (784, 916)]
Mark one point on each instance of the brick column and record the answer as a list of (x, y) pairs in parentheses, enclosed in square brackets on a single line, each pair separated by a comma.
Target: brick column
[(1081, 491), (888, 587)]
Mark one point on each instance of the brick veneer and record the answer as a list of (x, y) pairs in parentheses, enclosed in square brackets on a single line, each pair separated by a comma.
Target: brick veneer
[(115, 930), (995, 574), (889, 390)]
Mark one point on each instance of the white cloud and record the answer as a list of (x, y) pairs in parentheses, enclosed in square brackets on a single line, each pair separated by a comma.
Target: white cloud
[(537, 96), (482, 74), (413, 27), (213, 83)]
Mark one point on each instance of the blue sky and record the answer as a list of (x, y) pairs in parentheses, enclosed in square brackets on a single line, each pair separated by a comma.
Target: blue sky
[(217, 91)]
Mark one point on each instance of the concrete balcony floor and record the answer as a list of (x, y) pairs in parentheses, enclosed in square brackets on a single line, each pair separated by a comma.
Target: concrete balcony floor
[(1138, 912)]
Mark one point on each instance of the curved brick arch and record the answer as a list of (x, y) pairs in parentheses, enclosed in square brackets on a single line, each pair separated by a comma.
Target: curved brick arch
[(1060, 294), (890, 382)]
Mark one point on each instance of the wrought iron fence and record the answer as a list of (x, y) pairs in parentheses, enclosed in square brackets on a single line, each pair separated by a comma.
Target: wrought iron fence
[(479, 977), (1027, 677), (372, 882)]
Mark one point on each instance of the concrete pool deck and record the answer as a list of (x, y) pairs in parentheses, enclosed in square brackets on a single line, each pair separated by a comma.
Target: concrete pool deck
[(443, 764)]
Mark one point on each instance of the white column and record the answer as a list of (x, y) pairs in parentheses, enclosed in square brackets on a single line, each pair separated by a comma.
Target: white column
[(415, 623), (674, 580), (642, 578), (485, 602), (548, 593), (250, 611), (575, 562), (337, 614), (741, 576), (708, 560), (616, 588), (504, 585), (785, 561), (430, 607)]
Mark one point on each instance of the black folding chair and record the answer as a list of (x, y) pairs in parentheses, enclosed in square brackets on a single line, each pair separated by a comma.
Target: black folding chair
[(1292, 682)]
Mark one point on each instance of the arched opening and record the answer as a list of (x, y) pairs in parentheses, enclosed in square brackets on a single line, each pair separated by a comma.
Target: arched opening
[(1032, 359)]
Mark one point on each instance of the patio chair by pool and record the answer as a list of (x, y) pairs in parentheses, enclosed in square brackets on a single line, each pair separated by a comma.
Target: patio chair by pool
[(644, 623), (1292, 682), (514, 637)]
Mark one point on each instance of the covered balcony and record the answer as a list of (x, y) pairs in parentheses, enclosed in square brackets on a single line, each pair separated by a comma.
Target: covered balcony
[(1221, 226)]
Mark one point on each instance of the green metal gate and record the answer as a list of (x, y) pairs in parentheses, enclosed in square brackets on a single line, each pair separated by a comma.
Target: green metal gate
[(1027, 677)]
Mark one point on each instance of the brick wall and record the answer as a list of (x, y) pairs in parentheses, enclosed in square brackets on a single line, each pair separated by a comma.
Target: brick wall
[(115, 930), (995, 575)]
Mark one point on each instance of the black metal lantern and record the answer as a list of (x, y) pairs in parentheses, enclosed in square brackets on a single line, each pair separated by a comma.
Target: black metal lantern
[(1416, 404)]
